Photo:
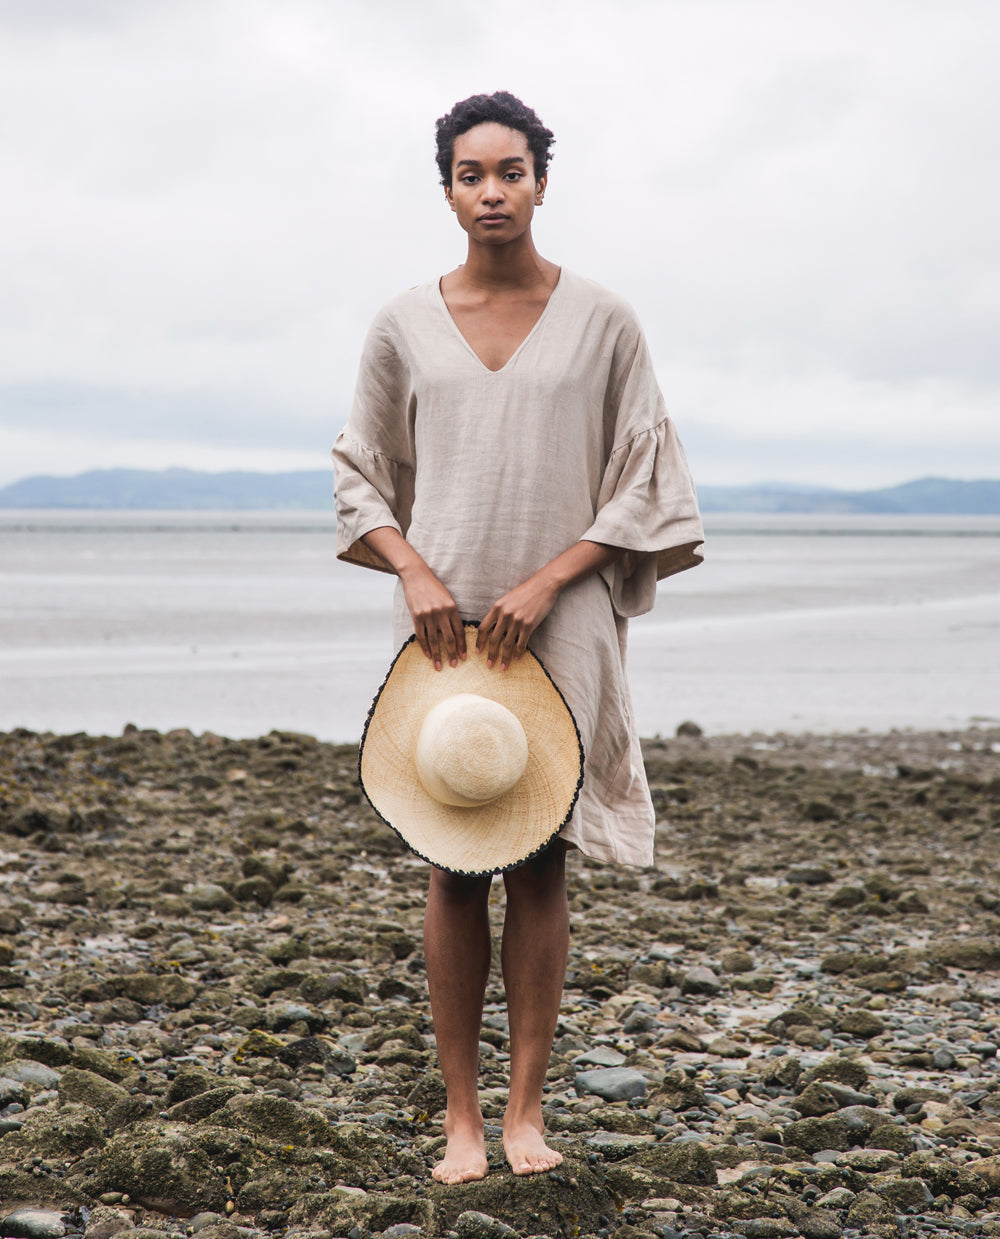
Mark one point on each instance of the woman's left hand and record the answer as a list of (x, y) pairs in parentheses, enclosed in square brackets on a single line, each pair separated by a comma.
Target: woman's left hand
[(509, 623)]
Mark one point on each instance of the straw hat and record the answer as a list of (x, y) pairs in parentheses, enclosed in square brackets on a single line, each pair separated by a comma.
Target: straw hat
[(476, 769)]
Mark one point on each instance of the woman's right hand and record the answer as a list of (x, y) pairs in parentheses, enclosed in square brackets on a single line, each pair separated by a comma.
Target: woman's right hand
[(436, 621)]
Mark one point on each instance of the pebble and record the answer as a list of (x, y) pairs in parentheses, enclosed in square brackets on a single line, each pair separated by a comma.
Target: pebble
[(281, 1030), (33, 1224), (611, 1083)]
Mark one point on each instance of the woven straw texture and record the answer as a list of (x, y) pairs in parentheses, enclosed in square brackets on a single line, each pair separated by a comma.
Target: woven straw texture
[(488, 838)]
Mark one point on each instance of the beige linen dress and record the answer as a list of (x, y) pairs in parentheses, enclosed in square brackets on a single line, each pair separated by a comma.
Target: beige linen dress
[(491, 474)]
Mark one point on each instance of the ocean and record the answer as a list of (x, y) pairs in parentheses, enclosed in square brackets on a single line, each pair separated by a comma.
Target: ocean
[(238, 623)]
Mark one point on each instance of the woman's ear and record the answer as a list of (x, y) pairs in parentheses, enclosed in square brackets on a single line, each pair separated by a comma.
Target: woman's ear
[(540, 188), (447, 194)]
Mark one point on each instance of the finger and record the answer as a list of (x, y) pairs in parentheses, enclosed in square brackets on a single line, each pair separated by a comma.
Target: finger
[(484, 630), (459, 629), (434, 642), (507, 647), (522, 641), (494, 643), (420, 632), (447, 642)]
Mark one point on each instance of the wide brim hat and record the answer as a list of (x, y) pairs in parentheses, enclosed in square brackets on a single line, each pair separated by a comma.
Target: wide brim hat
[(421, 717)]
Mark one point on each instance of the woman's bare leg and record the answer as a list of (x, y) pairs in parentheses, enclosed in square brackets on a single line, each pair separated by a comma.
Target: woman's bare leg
[(535, 947), (457, 949)]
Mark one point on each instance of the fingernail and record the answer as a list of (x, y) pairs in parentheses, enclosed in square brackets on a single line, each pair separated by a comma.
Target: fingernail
[(454, 662), (503, 666), (489, 662)]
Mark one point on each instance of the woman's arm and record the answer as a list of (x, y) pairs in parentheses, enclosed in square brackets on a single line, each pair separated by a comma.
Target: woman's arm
[(439, 628), (513, 618)]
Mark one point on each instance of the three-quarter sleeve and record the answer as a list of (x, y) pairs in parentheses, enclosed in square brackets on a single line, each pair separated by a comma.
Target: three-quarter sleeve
[(646, 504), (373, 455)]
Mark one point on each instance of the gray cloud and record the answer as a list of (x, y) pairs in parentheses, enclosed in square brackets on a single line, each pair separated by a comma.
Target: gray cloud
[(207, 201)]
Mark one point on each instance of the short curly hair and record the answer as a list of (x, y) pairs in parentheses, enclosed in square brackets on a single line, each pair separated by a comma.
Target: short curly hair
[(501, 108)]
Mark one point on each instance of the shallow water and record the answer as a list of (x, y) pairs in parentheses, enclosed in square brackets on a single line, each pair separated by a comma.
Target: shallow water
[(240, 623)]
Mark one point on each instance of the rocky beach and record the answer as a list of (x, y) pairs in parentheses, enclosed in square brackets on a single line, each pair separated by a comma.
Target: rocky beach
[(214, 1021)]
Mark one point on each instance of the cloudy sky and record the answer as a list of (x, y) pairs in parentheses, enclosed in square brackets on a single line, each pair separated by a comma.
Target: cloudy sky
[(204, 201)]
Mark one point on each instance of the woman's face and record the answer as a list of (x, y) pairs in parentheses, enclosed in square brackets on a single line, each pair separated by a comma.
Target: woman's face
[(493, 189)]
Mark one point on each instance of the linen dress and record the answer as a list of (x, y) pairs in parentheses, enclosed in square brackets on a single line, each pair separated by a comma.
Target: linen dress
[(491, 474)]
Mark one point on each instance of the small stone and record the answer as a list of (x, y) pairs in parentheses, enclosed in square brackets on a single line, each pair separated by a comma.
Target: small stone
[(737, 961), (24, 1071), (475, 1225), (847, 897), (726, 1047), (689, 730), (105, 1222), (700, 980), (600, 1056), (611, 1083), (33, 1224), (838, 1198), (210, 897), (809, 875)]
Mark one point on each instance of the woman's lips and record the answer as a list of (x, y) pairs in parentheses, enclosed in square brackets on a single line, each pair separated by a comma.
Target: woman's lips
[(492, 219)]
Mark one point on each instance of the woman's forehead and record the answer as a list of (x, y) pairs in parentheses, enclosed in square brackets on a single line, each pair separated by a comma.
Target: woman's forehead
[(491, 141)]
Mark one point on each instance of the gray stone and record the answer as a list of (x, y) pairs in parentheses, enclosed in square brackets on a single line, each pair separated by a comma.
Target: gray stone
[(616, 1145), (105, 1222), (24, 1071), (210, 897), (601, 1056), (33, 1224), (13, 1091), (201, 1220), (611, 1083), (401, 1230), (474, 1225), (700, 981)]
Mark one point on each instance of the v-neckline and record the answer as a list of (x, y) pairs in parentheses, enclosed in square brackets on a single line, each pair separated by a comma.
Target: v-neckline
[(534, 326)]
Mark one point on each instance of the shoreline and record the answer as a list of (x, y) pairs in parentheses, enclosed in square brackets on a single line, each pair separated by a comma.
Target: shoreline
[(213, 1002)]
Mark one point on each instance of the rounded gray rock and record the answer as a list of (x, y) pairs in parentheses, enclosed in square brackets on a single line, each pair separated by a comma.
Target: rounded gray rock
[(611, 1083), (33, 1224)]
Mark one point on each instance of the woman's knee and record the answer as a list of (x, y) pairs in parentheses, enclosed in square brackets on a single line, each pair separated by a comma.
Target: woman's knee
[(457, 888)]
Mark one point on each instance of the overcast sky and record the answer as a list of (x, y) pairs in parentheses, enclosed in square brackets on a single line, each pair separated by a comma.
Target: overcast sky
[(204, 201)]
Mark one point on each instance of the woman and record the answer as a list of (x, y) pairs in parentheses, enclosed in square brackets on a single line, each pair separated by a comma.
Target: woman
[(509, 458)]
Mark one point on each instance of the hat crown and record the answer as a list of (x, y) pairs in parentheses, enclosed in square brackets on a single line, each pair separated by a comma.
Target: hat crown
[(470, 750)]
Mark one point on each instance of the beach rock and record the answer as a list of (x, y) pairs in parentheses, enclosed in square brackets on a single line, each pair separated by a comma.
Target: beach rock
[(611, 1083), (474, 1225), (33, 1224), (860, 1023), (105, 1222), (209, 897), (700, 981), (89, 1089)]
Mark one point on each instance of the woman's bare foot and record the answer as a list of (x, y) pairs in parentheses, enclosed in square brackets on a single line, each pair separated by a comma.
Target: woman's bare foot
[(465, 1155), (527, 1152)]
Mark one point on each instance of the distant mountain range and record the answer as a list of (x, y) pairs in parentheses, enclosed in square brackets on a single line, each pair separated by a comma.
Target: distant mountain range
[(313, 490)]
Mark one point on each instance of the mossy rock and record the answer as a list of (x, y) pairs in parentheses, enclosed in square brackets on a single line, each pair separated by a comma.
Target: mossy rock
[(161, 1167), (571, 1200), (54, 1133), (686, 1162), (151, 989), (838, 1069), (195, 1109), (187, 1083), (890, 1136), (815, 1134), (275, 1118), (89, 1089), (869, 1210)]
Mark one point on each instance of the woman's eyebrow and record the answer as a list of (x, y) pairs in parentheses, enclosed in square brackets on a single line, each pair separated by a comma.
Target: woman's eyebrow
[(475, 163)]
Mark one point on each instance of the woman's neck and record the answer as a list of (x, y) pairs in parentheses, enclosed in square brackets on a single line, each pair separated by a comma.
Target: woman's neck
[(515, 265)]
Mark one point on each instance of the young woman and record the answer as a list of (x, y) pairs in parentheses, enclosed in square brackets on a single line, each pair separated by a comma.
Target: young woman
[(509, 457)]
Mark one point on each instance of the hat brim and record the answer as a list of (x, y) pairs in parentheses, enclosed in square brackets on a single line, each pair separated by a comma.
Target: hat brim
[(508, 831)]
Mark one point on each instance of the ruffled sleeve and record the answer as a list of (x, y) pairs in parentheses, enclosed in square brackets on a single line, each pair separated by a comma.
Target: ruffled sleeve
[(373, 456), (646, 503)]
